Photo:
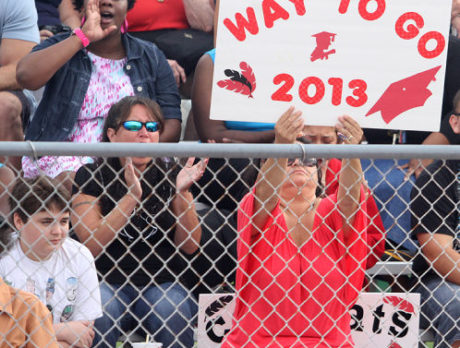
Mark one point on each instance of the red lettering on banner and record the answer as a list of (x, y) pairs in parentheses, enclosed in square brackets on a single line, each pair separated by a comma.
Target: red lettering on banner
[(319, 93), (272, 12), (243, 24), (432, 35), (343, 7), (371, 16), (411, 31), (359, 88), (337, 88), (282, 93), (299, 6)]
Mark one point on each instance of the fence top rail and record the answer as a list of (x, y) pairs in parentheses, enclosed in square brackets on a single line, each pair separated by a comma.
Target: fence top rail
[(186, 149)]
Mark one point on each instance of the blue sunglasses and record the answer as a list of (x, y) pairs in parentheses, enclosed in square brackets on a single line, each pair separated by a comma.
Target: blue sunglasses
[(135, 126)]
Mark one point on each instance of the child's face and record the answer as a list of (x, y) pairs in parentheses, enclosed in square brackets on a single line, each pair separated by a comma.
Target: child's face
[(43, 233)]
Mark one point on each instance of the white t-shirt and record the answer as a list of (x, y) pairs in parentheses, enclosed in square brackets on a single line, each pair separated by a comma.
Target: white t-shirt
[(66, 283)]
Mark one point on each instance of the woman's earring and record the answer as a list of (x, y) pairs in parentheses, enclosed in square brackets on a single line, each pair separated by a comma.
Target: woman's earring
[(83, 20), (124, 27)]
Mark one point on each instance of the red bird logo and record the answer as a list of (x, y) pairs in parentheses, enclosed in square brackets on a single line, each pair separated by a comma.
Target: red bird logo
[(405, 95), (323, 41), (399, 303), (244, 82)]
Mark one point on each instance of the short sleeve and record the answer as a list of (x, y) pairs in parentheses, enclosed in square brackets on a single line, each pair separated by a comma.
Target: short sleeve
[(89, 297), (432, 204), (86, 181), (38, 325), (20, 21)]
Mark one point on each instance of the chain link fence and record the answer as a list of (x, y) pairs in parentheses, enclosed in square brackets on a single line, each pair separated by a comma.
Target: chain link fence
[(139, 264)]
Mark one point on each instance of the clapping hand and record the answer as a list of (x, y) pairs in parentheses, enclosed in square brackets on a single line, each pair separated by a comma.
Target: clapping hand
[(190, 174), (132, 181)]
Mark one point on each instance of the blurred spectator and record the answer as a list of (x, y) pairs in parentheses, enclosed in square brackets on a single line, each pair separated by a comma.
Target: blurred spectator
[(436, 224), (18, 34), (301, 257), (137, 217), (82, 84), (182, 29), (455, 18), (24, 320), (56, 16), (45, 262)]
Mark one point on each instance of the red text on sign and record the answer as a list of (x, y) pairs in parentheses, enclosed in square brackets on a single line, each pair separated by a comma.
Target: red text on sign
[(408, 31), (357, 98), (363, 9), (272, 11)]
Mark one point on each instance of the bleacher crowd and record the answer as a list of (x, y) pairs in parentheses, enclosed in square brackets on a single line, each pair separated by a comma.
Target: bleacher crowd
[(94, 251)]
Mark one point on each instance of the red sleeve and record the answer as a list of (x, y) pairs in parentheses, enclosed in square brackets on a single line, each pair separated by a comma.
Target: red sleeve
[(248, 261), (351, 255), (375, 230)]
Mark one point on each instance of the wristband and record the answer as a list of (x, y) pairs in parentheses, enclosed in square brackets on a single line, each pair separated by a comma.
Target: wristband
[(79, 33)]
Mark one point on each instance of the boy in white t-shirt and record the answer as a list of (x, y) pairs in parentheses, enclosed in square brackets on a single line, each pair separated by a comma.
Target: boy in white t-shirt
[(45, 262)]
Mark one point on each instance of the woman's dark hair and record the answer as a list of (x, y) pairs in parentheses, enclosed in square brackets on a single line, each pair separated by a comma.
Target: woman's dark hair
[(78, 4), (30, 196), (119, 112)]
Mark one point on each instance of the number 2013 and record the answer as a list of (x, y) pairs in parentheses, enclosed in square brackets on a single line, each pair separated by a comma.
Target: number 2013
[(357, 98)]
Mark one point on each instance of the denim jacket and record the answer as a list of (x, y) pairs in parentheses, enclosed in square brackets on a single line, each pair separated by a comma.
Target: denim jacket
[(64, 93)]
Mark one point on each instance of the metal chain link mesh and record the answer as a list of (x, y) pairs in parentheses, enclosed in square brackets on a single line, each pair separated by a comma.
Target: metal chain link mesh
[(169, 314)]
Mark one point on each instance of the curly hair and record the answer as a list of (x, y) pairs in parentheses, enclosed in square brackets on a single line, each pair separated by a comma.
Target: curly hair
[(78, 4)]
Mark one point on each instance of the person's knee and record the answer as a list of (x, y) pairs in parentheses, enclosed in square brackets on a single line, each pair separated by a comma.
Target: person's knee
[(10, 112), (175, 300)]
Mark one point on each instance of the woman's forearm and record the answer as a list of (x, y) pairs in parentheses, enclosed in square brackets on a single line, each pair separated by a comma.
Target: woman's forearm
[(49, 59), (96, 231), (350, 181), (188, 230)]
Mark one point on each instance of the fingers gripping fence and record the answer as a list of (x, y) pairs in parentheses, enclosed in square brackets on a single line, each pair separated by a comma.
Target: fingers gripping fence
[(318, 254)]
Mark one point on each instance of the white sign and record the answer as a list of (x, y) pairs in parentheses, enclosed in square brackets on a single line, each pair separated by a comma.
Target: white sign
[(382, 62), (386, 320)]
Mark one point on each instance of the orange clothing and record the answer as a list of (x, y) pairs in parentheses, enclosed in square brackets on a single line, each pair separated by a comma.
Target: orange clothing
[(24, 320), (148, 15)]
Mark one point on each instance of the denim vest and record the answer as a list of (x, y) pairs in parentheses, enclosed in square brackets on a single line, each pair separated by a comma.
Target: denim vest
[(64, 93)]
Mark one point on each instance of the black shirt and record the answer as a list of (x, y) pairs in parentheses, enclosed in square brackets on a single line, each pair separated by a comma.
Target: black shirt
[(434, 201), (144, 250)]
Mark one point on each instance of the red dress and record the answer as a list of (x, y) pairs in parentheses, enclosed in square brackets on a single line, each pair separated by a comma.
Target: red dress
[(297, 297)]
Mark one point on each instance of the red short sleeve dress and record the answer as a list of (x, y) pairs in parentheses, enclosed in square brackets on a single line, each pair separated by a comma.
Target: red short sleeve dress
[(290, 296)]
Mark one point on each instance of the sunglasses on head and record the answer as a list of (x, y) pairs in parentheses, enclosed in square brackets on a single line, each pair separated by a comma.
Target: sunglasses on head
[(308, 162), (135, 126)]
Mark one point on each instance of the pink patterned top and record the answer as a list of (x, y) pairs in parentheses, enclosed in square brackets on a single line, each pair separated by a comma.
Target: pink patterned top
[(108, 84)]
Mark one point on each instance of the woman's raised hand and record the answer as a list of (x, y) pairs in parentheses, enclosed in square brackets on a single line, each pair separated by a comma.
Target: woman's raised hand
[(349, 129), (92, 26), (190, 173), (132, 181), (289, 126)]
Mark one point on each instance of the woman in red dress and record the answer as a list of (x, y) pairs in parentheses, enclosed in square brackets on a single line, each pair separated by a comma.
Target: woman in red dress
[(301, 258)]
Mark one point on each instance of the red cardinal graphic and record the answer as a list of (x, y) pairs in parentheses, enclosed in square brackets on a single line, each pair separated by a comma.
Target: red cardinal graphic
[(399, 303), (244, 82), (323, 41), (404, 95), (394, 345)]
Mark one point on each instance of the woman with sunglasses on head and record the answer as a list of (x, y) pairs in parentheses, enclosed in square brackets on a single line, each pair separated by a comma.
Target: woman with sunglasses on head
[(137, 217), (85, 72), (301, 257)]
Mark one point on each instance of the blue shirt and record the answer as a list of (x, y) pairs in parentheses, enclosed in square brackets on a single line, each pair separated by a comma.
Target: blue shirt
[(57, 113)]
